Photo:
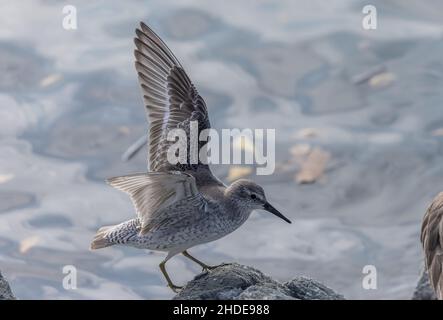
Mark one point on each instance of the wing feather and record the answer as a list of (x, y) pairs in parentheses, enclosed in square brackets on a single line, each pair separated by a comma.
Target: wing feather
[(432, 241), (151, 192), (171, 100)]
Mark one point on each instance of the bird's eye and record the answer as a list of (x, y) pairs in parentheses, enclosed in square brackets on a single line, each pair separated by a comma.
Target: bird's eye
[(253, 196)]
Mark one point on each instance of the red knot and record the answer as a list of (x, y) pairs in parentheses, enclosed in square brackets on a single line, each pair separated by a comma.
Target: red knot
[(178, 206)]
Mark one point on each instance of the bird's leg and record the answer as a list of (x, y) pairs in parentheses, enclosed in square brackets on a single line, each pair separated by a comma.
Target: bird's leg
[(202, 264), (165, 274)]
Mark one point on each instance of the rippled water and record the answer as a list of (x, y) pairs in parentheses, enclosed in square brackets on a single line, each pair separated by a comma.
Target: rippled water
[(70, 105)]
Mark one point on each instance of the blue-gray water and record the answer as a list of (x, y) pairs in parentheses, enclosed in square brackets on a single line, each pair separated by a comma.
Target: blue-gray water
[(70, 105)]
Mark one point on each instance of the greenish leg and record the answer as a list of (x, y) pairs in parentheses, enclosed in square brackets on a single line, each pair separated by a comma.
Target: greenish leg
[(165, 274), (202, 264)]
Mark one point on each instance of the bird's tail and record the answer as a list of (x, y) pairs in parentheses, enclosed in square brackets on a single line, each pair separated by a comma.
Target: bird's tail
[(100, 240)]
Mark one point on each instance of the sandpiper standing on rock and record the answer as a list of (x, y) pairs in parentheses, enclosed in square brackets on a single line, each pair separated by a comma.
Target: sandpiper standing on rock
[(432, 241), (178, 206)]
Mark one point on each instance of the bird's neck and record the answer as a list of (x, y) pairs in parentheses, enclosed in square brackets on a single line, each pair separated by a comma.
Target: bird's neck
[(236, 209)]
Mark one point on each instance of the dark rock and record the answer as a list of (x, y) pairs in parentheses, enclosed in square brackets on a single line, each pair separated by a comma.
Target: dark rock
[(238, 282), (424, 291), (307, 289), (5, 290)]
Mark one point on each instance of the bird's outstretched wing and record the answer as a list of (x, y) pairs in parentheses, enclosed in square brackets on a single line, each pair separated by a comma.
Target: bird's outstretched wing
[(153, 191), (170, 98), (432, 241)]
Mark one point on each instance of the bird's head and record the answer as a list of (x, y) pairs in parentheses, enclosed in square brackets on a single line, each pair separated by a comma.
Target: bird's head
[(251, 196)]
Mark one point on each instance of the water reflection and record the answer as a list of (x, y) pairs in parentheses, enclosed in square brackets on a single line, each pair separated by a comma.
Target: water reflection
[(70, 105)]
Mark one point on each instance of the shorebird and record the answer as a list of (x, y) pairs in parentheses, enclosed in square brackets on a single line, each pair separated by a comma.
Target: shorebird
[(178, 206), (432, 241)]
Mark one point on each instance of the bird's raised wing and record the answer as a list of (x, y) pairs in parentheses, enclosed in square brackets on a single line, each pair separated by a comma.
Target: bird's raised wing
[(153, 191), (432, 241), (170, 98)]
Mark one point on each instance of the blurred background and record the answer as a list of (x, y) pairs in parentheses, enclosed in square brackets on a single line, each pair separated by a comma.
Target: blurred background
[(359, 123)]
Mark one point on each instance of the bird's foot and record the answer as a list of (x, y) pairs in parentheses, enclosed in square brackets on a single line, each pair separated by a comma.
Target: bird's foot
[(210, 268), (175, 288)]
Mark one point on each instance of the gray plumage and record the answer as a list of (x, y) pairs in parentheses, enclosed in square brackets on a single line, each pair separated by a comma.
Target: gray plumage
[(432, 241), (178, 206)]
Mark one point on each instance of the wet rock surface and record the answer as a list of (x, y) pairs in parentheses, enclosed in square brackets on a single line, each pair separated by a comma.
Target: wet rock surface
[(5, 290), (239, 282), (424, 291)]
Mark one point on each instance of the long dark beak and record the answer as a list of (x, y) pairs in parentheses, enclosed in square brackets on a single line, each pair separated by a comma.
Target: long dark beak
[(267, 206)]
